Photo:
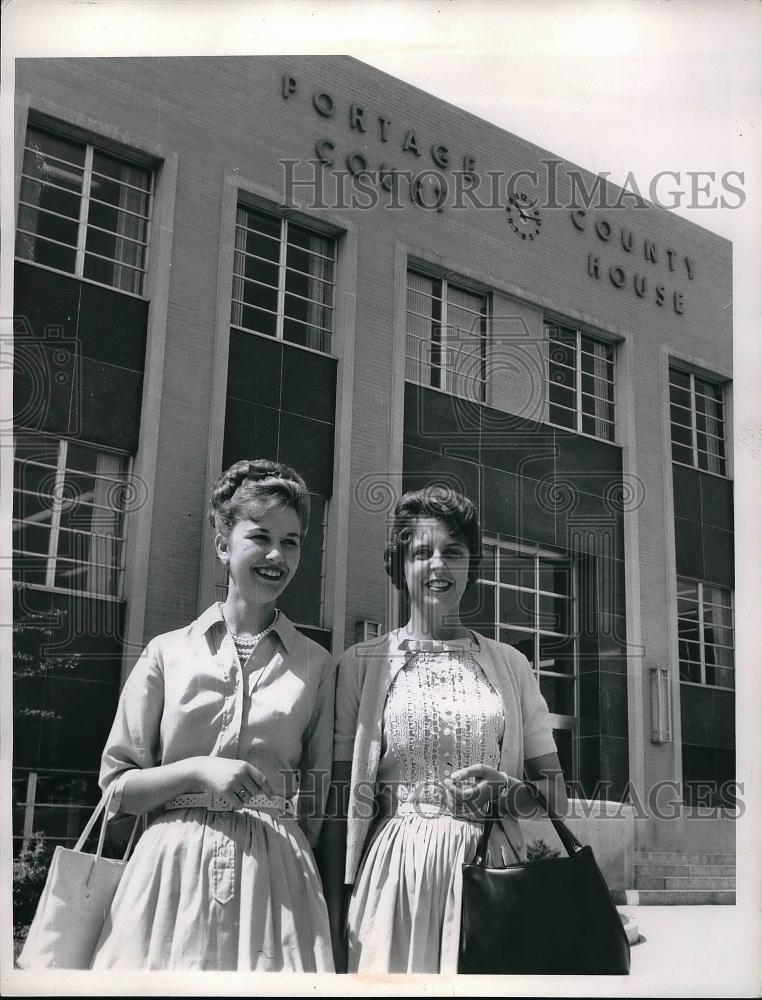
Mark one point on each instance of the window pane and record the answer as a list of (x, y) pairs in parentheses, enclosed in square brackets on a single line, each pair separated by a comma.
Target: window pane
[(554, 613), (682, 454), (523, 641), (39, 251), (308, 311), (562, 417), (720, 676), (35, 478), (308, 336), (264, 296), (31, 538), (561, 395), (598, 427), (680, 415), (679, 378), (557, 654), (517, 607), (555, 577), (265, 272), (120, 170), (688, 629), (30, 570), (690, 672), (32, 507), (46, 154), (717, 595), (560, 375), (516, 570), (257, 320)]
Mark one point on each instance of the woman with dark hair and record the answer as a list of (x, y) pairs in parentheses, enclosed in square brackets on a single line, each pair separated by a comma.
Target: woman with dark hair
[(438, 723), (223, 735)]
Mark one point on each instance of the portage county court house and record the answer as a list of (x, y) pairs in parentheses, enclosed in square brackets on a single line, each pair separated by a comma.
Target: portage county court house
[(303, 258)]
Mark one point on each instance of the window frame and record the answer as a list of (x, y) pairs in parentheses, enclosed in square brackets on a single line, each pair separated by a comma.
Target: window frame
[(92, 145), (702, 644), (461, 285), (718, 383), (52, 558), (284, 222), (579, 414)]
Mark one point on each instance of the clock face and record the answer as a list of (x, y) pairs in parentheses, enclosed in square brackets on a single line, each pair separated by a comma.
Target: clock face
[(523, 216)]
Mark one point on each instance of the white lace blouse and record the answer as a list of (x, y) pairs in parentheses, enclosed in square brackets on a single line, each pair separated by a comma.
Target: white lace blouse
[(441, 714)]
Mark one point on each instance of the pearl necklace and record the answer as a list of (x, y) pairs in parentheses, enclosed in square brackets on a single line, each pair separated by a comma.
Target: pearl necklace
[(245, 639)]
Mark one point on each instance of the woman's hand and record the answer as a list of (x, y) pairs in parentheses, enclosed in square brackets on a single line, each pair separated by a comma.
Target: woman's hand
[(231, 778), (473, 787)]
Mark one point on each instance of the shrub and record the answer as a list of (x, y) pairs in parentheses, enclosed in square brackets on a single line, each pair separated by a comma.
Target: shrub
[(539, 849), (30, 869)]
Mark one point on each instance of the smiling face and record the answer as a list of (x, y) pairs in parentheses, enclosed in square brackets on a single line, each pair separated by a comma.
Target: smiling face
[(436, 568), (262, 552)]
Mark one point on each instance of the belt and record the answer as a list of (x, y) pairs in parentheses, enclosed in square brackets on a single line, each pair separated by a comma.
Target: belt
[(431, 810), (221, 803)]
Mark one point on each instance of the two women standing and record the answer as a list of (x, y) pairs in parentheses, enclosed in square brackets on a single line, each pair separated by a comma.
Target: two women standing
[(221, 722)]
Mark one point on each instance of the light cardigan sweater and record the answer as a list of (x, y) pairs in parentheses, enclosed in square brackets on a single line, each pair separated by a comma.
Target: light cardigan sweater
[(366, 672)]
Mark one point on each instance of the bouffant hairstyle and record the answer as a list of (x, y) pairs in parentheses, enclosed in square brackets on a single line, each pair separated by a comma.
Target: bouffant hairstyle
[(257, 480), (457, 512)]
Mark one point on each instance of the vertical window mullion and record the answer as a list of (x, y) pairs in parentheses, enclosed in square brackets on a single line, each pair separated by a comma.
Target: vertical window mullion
[(694, 422), (497, 592), (282, 258), (84, 208), (702, 651), (578, 380), (323, 552), (440, 338), (55, 514), (149, 230), (536, 567)]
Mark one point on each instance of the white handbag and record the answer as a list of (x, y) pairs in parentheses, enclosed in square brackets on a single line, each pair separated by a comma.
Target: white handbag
[(75, 901)]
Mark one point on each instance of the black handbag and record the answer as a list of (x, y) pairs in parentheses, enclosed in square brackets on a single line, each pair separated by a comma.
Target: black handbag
[(553, 916)]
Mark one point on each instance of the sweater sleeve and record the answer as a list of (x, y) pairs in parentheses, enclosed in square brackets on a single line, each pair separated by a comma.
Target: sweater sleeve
[(348, 685), (538, 731), (317, 746)]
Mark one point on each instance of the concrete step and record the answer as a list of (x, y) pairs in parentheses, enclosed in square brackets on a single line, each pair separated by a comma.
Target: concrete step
[(676, 871), (691, 882), (677, 858), (679, 897), (631, 928)]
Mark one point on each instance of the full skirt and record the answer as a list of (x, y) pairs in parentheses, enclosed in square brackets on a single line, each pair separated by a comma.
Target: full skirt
[(404, 911), (219, 891)]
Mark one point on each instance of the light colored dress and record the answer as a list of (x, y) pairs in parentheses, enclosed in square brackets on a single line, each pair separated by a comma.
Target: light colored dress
[(235, 890), (441, 714)]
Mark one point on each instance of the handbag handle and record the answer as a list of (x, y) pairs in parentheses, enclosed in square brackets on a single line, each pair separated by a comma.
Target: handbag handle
[(567, 838), (104, 806)]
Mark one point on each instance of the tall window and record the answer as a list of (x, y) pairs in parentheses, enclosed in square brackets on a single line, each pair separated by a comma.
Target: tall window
[(534, 611), (84, 211), (697, 417), (68, 516), (581, 373), (283, 280), (705, 633), (446, 342)]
